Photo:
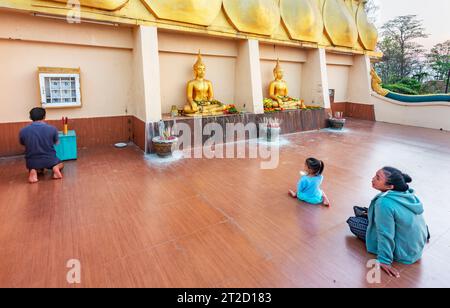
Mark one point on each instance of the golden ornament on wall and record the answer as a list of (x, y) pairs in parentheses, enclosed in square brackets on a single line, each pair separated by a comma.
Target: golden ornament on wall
[(107, 5), (368, 34), (253, 16), (352, 6), (340, 23), (198, 12), (302, 19)]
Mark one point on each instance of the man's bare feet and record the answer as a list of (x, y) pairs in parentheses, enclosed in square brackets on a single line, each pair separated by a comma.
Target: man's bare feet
[(57, 175), (292, 194), (33, 177)]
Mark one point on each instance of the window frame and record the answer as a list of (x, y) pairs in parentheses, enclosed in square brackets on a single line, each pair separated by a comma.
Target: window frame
[(59, 73)]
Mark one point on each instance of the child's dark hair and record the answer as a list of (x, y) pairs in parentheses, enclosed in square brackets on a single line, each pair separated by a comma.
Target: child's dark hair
[(397, 178), (316, 166), (37, 114)]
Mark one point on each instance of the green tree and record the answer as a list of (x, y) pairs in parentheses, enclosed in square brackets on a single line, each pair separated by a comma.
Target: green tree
[(399, 45), (388, 68), (439, 60)]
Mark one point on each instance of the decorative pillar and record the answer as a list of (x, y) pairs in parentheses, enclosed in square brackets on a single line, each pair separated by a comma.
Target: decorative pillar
[(150, 73), (315, 89), (360, 89), (146, 86), (248, 77)]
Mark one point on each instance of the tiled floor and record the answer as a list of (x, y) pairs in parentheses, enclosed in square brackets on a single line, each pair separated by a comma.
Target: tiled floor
[(219, 223)]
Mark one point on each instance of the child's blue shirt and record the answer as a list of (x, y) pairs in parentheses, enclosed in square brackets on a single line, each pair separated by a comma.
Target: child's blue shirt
[(309, 189)]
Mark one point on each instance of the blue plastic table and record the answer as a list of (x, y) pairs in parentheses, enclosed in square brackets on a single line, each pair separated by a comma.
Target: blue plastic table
[(66, 149)]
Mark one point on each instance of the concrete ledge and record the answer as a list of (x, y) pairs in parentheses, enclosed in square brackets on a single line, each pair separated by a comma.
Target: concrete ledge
[(434, 115)]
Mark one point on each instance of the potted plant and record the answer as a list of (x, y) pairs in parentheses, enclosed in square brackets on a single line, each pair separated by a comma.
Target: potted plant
[(270, 129), (338, 121), (164, 144)]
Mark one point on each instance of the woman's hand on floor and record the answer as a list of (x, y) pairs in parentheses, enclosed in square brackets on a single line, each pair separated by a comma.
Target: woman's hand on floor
[(391, 271)]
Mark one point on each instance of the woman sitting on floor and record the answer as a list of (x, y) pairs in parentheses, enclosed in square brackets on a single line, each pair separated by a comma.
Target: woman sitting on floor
[(393, 227)]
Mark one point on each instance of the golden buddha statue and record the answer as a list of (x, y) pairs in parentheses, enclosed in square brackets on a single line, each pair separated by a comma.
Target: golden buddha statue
[(200, 94), (376, 83), (278, 91)]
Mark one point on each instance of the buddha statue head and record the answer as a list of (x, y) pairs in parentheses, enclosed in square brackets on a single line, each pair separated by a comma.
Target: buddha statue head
[(199, 67), (278, 72)]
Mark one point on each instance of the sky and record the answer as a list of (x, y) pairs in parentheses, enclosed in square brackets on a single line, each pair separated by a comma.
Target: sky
[(434, 13)]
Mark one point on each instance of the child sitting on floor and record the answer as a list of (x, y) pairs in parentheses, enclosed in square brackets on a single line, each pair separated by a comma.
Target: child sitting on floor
[(39, 140), (309, 185)]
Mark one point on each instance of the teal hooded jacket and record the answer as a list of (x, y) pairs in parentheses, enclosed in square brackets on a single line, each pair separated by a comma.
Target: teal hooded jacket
[(397, 230)]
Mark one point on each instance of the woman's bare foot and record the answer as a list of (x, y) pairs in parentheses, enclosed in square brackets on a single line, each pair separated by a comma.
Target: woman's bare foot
[(292, 194), (33, 177), (326, 201), (57, 175)]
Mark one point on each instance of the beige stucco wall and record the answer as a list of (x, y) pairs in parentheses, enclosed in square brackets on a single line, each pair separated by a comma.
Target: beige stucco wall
[(339, 68), (315, 88), (120, 68), (339, 59), (359, 86), (248, 77), (291, 54), (338, 76), (138, 106), (178, 54), (22, 26), (103, 53), (146, 87), (291, 61), (434, 115)]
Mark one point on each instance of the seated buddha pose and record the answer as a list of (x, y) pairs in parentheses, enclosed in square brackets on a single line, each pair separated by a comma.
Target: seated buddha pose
[(278, 91), (200, 94)]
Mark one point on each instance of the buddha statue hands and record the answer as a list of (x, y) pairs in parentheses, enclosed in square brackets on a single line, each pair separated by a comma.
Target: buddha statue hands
[(278, 91), (200, 94)]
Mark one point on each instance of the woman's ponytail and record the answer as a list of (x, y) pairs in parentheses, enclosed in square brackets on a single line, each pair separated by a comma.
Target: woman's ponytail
[(397, 179), (407, 178), (322, 168)]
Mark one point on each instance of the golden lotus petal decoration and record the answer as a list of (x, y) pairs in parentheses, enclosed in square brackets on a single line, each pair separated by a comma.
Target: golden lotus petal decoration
[(340, 23), (302, 19), (368, 34), (107, 5), (197, 12), (352, 6), (253, 16)]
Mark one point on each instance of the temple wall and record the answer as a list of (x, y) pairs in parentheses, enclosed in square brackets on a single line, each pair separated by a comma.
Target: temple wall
[(338, 76), (103, 53), (266, 21), (339, 67), (132, 75), (25, 27), (339, 59), (177, 60)]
